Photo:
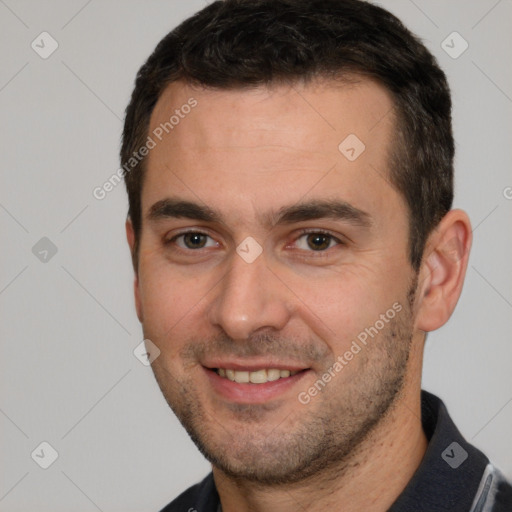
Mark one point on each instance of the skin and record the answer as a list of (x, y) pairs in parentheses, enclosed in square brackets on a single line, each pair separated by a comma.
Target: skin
[(245, 154)]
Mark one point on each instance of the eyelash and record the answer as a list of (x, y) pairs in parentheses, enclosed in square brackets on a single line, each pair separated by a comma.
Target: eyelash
[(302, 232), (322, 253)]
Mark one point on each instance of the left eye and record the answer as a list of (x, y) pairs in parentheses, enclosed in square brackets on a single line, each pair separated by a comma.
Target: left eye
[(193, 240), (316, 241)]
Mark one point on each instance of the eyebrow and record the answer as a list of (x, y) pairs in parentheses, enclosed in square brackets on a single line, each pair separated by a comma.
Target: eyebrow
[(321, 209), (179, 209), (299, 212)]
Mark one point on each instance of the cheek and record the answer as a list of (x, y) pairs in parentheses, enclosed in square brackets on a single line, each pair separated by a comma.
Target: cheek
[(166, 300), (339, 305), (174, 302), (333, 304)]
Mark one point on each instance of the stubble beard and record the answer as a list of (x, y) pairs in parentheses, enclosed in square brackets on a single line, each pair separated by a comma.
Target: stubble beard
[(263, 446)]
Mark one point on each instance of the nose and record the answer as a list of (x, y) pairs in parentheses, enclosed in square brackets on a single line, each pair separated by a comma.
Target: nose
[(250, 297)]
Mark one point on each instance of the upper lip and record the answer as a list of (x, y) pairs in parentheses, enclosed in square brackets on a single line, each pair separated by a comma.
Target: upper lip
[(253, 365)]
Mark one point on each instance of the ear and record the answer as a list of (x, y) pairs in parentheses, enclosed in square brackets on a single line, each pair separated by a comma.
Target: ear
[(443, 270), (130, 235)]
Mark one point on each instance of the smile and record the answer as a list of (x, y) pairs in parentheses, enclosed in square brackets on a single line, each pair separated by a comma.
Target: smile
[(253, 383), (254, 377)]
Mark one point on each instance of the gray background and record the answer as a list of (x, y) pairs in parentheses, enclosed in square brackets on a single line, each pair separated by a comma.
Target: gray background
[(68, 324)]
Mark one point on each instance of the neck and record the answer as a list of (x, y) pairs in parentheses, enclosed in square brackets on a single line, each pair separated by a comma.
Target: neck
[(374, 476)]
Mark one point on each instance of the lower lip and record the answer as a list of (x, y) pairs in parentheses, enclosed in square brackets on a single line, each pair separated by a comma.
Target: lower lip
[(249, 393)]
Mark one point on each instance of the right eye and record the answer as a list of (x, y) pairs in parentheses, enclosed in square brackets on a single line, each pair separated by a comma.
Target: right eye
[(192, 240)]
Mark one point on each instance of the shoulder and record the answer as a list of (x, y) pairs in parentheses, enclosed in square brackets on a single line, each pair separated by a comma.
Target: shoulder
[(453, 475), (496, 495), (201, 497)]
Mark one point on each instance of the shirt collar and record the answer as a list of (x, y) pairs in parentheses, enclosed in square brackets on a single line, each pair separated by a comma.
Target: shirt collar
[(450, 472)]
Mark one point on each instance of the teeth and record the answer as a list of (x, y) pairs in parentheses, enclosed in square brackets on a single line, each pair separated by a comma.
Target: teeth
[(257, 377), (273, 375), (242, 377)]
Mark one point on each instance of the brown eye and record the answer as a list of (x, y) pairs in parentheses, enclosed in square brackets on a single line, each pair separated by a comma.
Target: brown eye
[(318, 241), (194, 240)]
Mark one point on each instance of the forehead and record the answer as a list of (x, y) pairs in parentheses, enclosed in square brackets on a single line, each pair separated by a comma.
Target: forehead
[(322, 107), (270, 143)]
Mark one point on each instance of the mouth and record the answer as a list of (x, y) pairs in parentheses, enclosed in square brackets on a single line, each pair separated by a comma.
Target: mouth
[(254, 377), (253, 385)]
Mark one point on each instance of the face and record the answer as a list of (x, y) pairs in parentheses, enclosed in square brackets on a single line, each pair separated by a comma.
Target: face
[(273, 272)]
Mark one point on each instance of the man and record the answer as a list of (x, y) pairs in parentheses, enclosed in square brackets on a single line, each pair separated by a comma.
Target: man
[(289, 172)]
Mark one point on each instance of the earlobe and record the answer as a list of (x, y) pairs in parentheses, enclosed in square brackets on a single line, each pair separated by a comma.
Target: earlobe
[(130, 236), (443, 270)]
